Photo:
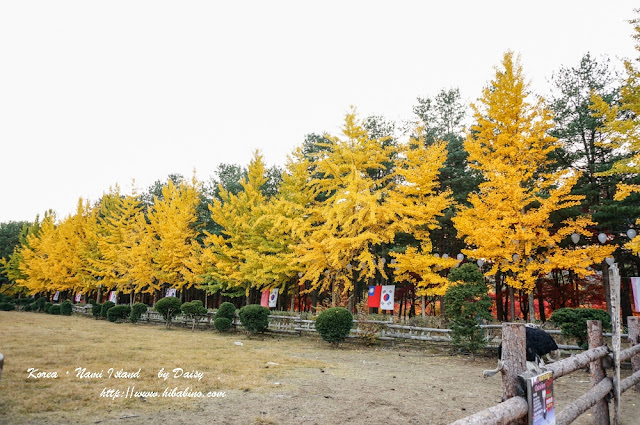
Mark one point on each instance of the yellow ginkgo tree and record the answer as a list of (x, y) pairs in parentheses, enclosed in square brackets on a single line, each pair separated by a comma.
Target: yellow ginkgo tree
[(508, 223), (622, 130), (418, 203), (351, 216)]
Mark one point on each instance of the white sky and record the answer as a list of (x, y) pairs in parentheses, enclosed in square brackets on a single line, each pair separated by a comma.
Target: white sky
[(98, 93)]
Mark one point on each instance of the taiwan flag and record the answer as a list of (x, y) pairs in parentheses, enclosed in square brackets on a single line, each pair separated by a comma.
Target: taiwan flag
[(386, 297), (374, 296), (264, 301)]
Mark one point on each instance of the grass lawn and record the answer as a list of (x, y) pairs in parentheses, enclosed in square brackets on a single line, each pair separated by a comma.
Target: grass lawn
[(66, 346)]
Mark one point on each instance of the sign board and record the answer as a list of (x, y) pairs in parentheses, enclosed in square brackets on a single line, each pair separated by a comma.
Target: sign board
[(540, 398)]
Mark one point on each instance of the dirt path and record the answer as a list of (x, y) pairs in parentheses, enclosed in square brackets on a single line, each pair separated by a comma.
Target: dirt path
[(368, 386)]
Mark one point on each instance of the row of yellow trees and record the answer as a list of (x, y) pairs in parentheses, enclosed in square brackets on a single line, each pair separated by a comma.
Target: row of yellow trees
[(336, 207)]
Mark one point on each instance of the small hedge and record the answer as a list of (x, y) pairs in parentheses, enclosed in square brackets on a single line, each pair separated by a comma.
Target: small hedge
[(54, 309), (47, 306), (226, 310), (28, 307), (105, 308), (168, 307), (118, 312), (66, 308), (222, 324), (137, 311), (573, 322), (96, 309), (334, 324), (254, 318), (38, 304), (7, 306)]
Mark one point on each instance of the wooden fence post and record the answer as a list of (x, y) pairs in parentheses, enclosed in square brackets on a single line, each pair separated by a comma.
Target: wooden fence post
[(601, 409), (514, 360), (614, 288), (633, 323)]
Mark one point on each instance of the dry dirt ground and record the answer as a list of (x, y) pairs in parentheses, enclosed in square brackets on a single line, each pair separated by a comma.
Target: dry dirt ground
[(372, 386), (350, 385)]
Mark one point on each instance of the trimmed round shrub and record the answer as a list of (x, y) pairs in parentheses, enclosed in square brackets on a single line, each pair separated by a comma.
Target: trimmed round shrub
[(92, 301), (137, 311), (168, 307), (222, 324), (226, 310), (334, 324), (38, 304), (573, 322), (118, 312), (96, 309), (193, 310), (55, 309), (47, 306), (105, 308), (28, 307), (7, 306), (254, 318), (467, 303), (66, 308)]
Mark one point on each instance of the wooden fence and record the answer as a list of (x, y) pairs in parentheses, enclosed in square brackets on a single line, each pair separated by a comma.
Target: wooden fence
[(375, 329), (514, 408)]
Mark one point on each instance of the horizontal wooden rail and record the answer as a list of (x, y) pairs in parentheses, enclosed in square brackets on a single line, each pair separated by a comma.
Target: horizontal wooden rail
[(584, 402), (579, 361), (629, 352), (505, 412), (629, 382)]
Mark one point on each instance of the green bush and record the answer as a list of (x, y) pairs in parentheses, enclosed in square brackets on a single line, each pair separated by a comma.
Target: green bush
[(7, 306), (137, 311), (92, 301), (222, 324), (226, 310), (47, 306), (573, 322), (105, 308), (118, 312), (193, 310), (168, 307), (254, 318), (55, 309), (466, 304), (96, 309), (38, 304), (66, 308), (28, 307), (24, 301), (334, 324)]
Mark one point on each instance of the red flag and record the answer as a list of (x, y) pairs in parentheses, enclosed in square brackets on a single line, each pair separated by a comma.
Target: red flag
[(374, 296), (264, 301)]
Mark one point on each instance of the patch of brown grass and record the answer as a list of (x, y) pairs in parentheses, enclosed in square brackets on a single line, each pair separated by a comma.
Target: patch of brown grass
[(61, 344)]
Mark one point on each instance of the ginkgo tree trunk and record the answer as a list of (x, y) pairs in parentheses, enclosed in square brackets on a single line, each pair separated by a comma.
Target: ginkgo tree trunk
[(508, 223)]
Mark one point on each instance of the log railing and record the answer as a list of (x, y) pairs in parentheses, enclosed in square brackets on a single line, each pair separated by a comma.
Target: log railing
[(514, 409)]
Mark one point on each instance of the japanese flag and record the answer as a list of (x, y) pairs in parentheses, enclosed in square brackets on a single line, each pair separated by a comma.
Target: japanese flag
[(386, 297), (273, 297), (635, 286)]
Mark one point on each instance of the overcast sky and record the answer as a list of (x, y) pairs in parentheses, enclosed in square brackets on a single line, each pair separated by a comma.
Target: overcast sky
[(98, 93)]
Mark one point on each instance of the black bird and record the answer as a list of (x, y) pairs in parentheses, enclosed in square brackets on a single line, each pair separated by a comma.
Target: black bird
[(538, 344)]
